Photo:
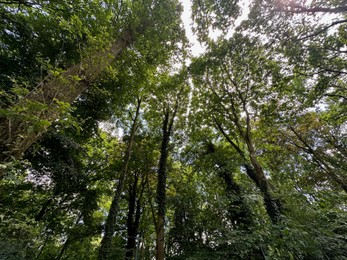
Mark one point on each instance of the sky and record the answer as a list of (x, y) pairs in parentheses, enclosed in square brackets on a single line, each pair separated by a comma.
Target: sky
[(197, 48)]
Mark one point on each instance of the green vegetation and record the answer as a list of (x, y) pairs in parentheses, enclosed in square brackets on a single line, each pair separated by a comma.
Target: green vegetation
[(114, 146)]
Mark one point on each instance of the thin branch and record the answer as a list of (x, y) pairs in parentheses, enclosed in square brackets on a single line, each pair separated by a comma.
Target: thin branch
[(335, 95), (233, 144), (322, 30), (320, 161), (232, 101), (302, 9)]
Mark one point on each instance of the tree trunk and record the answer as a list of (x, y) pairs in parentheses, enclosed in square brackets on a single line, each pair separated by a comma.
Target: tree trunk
[(133, 220), (18, 133), (273, 207), (131, 229), (255, 171), (106, 242), (160, 250), (132, 233), (161, 187)]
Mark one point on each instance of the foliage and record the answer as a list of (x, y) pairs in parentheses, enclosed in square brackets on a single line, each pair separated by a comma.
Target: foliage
[(241, 155)]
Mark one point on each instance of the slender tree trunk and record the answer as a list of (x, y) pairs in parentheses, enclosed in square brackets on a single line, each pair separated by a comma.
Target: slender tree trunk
[(131, 229), (161, 187), (133, 232), (106, 242), (133, 219), (43, 247), (64, 248), (272, 206), (160, 250), (131, 244), (16, 134)]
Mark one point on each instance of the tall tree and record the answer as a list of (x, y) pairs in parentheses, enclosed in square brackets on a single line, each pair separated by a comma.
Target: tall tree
[(134, 215), (106, 242), (171, 92), (21, 126), (232, 76)]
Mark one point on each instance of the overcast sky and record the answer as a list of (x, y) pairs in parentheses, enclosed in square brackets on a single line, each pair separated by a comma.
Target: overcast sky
[(197, 49)]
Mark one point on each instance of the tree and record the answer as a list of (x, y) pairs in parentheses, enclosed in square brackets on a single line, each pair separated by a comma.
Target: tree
[(235, 99), (240, 156), (239, 213), (171, 103), (142, 174), (64, 86), (106, 242)]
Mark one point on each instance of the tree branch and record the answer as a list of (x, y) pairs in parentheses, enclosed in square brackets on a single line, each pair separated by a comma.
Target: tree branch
[(233, 144), (322, 30), (320, 160), (302, 9)]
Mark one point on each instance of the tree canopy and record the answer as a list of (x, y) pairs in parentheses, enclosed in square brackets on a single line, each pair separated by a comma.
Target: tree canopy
[(117, 143)]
